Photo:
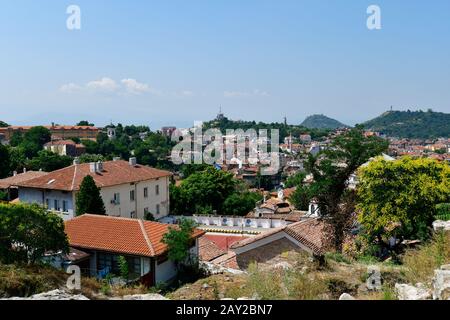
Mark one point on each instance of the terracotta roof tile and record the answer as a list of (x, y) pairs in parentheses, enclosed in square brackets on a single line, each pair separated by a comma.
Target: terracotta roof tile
[(114, 173), (19, 178), (119, 235), (308, 232), (208, 250)]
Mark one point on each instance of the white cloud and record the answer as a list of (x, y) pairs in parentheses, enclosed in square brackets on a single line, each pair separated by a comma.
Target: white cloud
[(240, 94), (104, 84), (70, 88), (134, 87)]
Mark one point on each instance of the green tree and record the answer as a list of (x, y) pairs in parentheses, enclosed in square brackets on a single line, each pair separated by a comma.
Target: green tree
[(331, 170), (34, 139), (240, 203), (3, 124), (301, 197), (34, 228), (205, 189), (123, 267), (5, 163), (85, 123), (295, 180), (48, 161), (399, 197), (178, 240), (88, 198), (16, 139)]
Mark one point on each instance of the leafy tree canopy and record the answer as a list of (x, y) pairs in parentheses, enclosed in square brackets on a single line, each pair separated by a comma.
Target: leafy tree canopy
[(401, 193), (178, 241), (28, 231), (331, 170)]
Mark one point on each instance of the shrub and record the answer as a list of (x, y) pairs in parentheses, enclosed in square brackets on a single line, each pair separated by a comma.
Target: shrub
[(420, 263)]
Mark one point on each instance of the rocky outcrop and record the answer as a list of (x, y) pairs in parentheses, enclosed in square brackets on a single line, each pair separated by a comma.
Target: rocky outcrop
[(409, 292), (52, 295), (441, 225), (346, 296), (149, 296), (441, 283)]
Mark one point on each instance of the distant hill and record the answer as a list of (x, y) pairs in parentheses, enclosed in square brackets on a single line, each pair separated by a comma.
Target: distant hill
[(319, 121), (412, 124), (3, 124)]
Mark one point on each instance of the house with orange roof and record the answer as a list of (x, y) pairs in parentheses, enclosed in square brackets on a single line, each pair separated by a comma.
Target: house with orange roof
[(128, 189), (306, 235), (101, 240)]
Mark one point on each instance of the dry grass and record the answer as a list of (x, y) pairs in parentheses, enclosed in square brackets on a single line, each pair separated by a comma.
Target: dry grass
[(24, 281), (419, 264)]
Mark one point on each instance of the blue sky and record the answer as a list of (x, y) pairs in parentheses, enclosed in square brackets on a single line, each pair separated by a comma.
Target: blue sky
[(174, 62)]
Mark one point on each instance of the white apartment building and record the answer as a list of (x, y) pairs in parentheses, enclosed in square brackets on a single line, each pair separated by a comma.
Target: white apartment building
[(128, 189)]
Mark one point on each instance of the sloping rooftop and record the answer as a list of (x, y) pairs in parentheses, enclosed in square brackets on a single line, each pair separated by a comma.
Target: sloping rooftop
[(208, 250), (113, 173), (119, 235), (308, 232), (20, 178)]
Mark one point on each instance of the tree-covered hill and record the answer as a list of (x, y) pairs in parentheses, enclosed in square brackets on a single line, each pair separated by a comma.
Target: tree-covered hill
[(412, 124), (320, 121)]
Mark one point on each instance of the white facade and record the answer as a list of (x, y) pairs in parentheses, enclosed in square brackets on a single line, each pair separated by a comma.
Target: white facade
[(118, 199), (149, 196)]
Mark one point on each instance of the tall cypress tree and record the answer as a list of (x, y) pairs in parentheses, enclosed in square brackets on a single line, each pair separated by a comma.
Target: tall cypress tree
[(88, 199)]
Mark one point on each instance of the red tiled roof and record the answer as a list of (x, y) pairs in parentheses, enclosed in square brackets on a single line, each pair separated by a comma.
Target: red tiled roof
[(60, 143), (208, 250), (308, 232), (114, 173), (224, 241), (19, 178), (119, 235)]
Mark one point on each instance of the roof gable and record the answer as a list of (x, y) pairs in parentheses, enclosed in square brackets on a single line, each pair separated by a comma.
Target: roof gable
[(119, 235), (114, 173)]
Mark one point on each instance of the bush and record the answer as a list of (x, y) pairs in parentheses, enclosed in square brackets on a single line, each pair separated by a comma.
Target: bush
[(421, 263), (443, 212)]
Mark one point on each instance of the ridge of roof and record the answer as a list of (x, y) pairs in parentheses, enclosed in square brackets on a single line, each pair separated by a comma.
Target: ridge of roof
[(147, 240)]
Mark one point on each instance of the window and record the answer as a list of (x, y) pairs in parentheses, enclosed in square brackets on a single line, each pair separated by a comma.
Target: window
[(133, 214), (145, 210), (157, 189), (64, 208), (56, 207), (132, 195), (117, 198), (47, 203), (145, 192), (157, 209)]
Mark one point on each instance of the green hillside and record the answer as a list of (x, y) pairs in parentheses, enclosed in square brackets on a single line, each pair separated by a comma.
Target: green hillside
[(412, 124), (320, 121)]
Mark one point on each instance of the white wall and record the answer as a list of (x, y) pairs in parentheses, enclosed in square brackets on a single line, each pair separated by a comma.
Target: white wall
[(126, 206), (165, 271), (29, 195)]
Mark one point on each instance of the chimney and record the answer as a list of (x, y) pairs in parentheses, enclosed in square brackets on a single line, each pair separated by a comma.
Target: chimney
[(116, 158), (133, 161), (100, 166), (24, 170), (93, 167), (76, 161), (15, 173)]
